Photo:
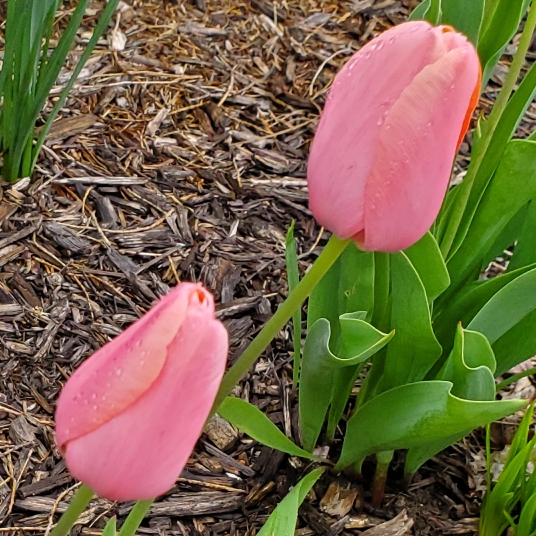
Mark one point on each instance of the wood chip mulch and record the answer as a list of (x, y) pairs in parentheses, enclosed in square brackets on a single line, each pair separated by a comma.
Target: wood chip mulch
[(181, 155)]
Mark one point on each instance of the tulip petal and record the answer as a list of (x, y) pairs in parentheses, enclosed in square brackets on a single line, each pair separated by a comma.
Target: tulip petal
[(122, 370), (140, 453), (416, 149), (360, 98)]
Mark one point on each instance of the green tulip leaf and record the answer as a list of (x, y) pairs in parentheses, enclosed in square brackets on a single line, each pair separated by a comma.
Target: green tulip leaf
[(513, 186), (500, 23), (516, 345), (429, 10), (464, 16), (470, 367), (382, 282), (414, 414), (525, 250), (464, 306), (426, 258), (346, 288), (359, 342), (282, 521), (507, 308), (414, 348), (250, 420)]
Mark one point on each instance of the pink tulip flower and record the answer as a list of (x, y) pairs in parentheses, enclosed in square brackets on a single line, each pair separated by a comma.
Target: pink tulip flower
[(381, 158), (128, 419)]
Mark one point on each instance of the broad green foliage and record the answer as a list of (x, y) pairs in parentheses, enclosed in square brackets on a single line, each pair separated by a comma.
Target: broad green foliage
[(403, 349), (327, 379), (253, 422), (412, 415)]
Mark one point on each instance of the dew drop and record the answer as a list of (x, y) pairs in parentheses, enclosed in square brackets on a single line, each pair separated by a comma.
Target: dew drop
[(104, 398), (381, 44), (387, 127), (373, 46), (452, 86), (368, 54), (119, 371), (429, 124), (95, 408), (142, 362), (391, 40), (138, 343), (86, 401), (380, 121), (94, 396)]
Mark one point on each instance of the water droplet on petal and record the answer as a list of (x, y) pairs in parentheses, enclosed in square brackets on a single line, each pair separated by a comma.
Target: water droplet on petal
[(138, 343), (380, 120), (119, 371), (387, 127), (373, 46), (391, 40), (104, 398), (368, 54), (429, 124), (452, 86), (95, 408), (381, 44), (142, 362)]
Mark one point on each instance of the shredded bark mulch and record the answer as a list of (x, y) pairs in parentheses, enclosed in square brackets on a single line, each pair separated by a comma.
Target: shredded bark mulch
[(181, 155)]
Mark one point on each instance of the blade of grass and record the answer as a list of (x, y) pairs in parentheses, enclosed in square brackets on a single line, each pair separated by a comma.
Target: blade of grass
[(293, 277)]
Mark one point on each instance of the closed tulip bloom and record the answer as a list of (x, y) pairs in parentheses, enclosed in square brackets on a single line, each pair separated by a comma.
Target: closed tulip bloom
[(128, 419), (381, 159)]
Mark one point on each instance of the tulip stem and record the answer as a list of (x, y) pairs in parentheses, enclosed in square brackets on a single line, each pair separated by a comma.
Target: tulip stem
[(491, 124), (134, 519), (78, 504), (323, 263)]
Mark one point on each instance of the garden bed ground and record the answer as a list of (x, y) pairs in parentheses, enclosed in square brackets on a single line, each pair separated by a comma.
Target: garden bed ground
[(181, 156)]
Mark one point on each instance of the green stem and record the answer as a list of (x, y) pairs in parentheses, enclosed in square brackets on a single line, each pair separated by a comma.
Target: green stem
[(135, 518), (329, 255), (514, 378), (78, 504), (383, 460), (491, 124)]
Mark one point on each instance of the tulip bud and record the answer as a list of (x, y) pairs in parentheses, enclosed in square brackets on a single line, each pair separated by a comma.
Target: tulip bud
[(129, 417), (381, 158)]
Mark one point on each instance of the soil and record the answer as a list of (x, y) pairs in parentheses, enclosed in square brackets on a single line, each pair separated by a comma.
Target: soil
[(181, 155)]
